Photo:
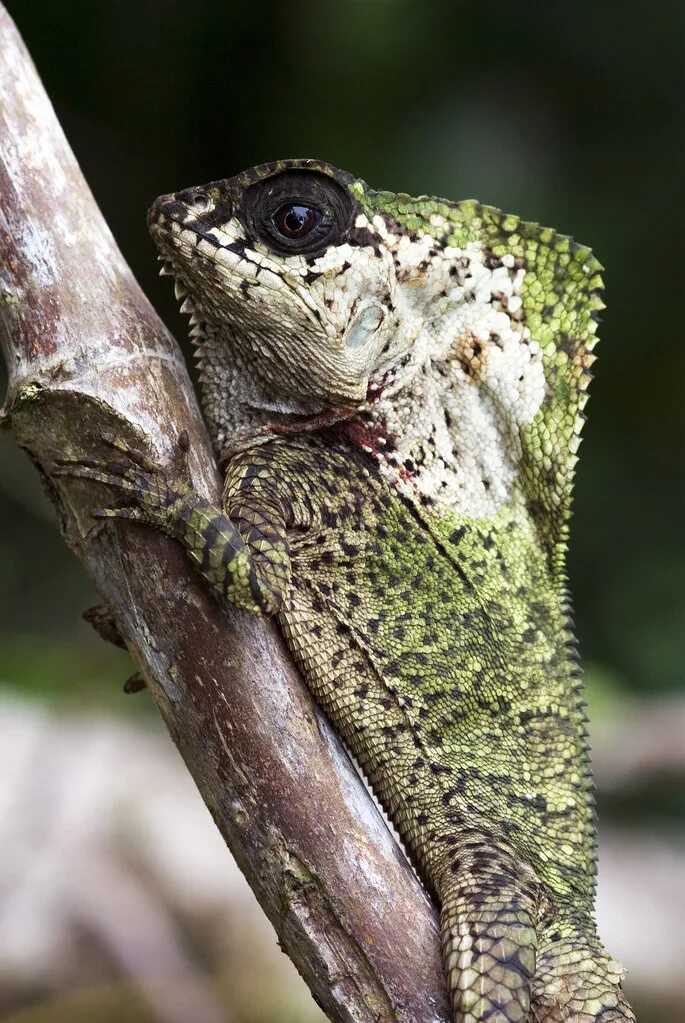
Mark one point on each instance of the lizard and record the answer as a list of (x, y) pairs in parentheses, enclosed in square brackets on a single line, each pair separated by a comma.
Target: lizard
[(395, 389)]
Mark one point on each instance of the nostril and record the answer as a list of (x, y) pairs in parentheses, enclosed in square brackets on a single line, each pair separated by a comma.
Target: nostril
[(195, 197)]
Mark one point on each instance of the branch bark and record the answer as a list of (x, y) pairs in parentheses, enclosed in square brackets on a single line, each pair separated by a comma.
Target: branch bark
[(86, 353)]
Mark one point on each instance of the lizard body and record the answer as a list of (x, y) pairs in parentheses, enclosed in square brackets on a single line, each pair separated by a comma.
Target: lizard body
[(395, 388)]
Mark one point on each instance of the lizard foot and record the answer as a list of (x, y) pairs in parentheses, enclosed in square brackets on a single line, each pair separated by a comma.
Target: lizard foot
[(152, 492), (577, 982), (163, 497)]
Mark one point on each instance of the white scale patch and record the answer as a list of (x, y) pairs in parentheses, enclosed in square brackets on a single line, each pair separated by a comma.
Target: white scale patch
[(474, 380)]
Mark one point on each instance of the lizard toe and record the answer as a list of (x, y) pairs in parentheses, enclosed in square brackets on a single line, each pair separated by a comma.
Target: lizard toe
[(140, 458)]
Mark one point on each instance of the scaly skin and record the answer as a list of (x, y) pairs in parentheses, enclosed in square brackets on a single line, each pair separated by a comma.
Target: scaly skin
[(395, 387)]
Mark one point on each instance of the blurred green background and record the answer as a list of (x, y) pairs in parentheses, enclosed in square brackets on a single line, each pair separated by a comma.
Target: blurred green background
[(568, 114)]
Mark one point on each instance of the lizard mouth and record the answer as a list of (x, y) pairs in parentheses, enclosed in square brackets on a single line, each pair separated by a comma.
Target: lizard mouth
[(293, 422), (284, 422)]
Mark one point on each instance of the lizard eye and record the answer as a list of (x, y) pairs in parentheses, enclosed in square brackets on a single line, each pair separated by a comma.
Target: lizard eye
[(297, 212), (296, 221)]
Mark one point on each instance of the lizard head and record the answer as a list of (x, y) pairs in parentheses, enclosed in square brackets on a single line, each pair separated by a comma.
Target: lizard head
[(302, 298)]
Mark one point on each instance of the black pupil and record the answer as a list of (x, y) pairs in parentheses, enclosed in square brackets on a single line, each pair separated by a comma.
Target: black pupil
[(295, 220)]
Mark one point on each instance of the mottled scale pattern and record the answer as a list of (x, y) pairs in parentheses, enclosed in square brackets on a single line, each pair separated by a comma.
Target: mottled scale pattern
[(395, 388)]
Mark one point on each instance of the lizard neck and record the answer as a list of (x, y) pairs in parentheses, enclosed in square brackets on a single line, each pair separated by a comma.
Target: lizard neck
[(238, 412)]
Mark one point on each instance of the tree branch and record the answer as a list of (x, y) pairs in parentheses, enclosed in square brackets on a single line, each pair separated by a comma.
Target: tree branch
[(86, 353)]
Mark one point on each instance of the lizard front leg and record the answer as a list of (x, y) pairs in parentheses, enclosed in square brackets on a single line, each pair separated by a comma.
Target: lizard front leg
[(244, 557)]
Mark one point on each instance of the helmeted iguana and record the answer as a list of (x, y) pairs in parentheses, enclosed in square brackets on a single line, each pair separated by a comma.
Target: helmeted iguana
[(395, 388)]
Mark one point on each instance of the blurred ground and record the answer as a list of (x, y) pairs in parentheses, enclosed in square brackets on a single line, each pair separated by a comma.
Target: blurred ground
[(570, 114), (119, 900)]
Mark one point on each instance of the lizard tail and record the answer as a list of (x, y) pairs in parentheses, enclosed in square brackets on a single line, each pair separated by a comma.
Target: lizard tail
[(489, 938)]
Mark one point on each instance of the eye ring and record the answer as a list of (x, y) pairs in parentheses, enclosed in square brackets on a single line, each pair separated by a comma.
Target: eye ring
[(297, 212)]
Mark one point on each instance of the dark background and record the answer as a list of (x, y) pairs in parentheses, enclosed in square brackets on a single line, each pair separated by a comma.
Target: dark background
[(570, 114)]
